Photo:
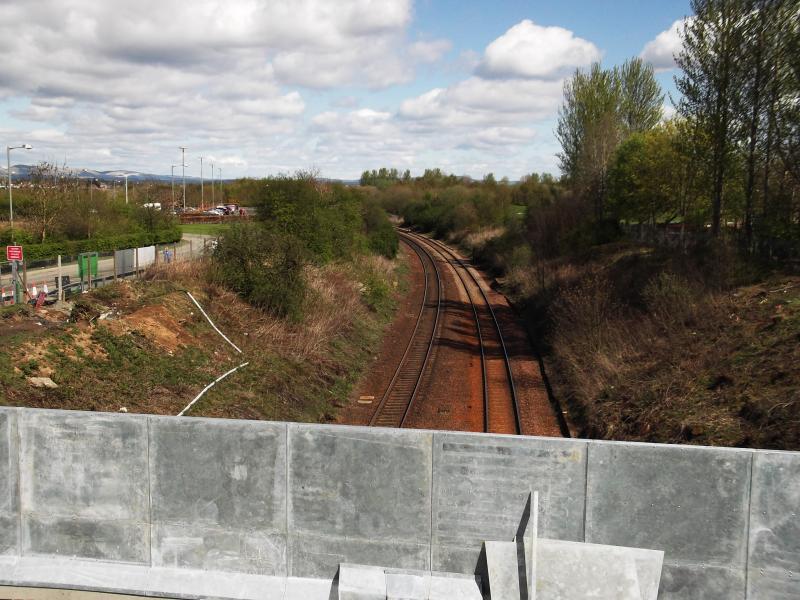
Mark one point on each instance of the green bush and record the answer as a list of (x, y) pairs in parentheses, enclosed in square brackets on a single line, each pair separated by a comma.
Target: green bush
[(326, 219), (264, 267), (381, 237)]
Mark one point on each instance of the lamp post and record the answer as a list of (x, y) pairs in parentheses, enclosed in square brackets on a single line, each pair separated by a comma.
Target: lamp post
[(202, 199), (172, 183), (213, 200), (126, 186), (183, 168), (10, 196)]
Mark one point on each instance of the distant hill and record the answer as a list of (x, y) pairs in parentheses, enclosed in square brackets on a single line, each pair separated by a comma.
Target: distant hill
[(24, 172)]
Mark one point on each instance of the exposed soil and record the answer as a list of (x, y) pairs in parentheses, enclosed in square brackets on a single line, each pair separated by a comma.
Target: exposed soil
[(143, 346)]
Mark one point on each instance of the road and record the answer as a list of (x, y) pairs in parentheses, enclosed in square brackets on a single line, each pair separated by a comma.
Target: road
[(190, 246)]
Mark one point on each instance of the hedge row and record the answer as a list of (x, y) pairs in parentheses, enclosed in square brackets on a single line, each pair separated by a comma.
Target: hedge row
[(100, 244)]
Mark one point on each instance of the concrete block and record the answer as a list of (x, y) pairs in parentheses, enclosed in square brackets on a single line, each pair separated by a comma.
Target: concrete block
[(572, 570), (690, 502), (218, 549), (482, 482), (361, 582), (9, 482), (139, 580), (528, 537), (84, 485), (124, 541), (299, 588), (774, 561), (358, 495), (502, 570), (219, 495), (407, 584), (448, 586)]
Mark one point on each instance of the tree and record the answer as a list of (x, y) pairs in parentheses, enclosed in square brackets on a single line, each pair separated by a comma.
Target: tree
[(711, 85), (648, 175), (600, 109), (51, 193), (641, 98)]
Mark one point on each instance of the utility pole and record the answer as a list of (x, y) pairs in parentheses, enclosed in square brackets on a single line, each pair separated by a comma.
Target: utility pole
[(126, 186), (183, 168), (213, 200), (172, 182), (202, 199), (10, 198)]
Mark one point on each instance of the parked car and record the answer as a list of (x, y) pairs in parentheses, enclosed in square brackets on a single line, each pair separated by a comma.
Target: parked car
[(233, 209), (215, 212)]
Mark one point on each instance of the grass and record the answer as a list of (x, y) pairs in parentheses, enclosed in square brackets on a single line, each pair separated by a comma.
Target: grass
[(153, 351), (204, 228), (640, 347)]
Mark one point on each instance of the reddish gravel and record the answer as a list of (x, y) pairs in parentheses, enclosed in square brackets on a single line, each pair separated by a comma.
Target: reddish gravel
[(451, 391), (386, 358)]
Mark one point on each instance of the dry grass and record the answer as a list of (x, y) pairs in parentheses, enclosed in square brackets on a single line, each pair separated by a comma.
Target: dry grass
[(333, 302), (669, 359), (155, 351)]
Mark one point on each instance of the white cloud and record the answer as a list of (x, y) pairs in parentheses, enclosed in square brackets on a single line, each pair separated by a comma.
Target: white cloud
[(128, 81), (122, 84), (661, 50), (429, 51), (533, 51)]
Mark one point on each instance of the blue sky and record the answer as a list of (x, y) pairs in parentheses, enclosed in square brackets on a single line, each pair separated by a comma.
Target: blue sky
[(264, 87)]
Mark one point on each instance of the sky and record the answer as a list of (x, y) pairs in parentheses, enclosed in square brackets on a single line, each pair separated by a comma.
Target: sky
[(261, 87)]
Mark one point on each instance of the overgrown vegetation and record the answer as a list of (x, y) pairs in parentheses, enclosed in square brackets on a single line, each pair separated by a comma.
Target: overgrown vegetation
[(142, 346), (658, 275), (55, 213), (301, 222)]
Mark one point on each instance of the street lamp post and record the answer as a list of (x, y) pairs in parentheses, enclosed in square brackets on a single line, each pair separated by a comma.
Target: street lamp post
[(126, 186), (202, 199), (172, 183), (183, 168), (10, 195), (213, 200)]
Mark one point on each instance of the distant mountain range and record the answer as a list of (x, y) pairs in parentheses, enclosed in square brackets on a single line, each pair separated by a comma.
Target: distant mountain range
[(24, 172)]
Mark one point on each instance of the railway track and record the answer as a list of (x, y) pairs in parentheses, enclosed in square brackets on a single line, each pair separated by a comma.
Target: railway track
[(500, 408), (396, 402)]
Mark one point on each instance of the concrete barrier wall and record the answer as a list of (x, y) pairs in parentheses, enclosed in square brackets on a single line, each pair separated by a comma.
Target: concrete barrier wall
[(292, 499)]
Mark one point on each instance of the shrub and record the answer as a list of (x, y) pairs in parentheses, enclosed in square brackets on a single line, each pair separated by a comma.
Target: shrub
[(98, 244), (263, 267), (381, 236), (326, 219)]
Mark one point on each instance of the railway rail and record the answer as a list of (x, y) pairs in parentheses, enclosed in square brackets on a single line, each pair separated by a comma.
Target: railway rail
[(397, 400), (500, 407)]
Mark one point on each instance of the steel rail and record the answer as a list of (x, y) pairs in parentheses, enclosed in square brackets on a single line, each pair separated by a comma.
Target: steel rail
[(380, 410), (517, 417)]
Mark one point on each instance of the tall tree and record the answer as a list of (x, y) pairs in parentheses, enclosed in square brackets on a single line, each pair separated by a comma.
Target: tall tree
[(601, 108), (641, 99), (710, 84)]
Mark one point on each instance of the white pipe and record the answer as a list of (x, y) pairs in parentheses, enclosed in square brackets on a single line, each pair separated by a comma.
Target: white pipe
[(214, 326), (209, 386)]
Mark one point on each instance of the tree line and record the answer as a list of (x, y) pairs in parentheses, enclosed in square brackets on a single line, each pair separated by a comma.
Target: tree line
[(728, 162)]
